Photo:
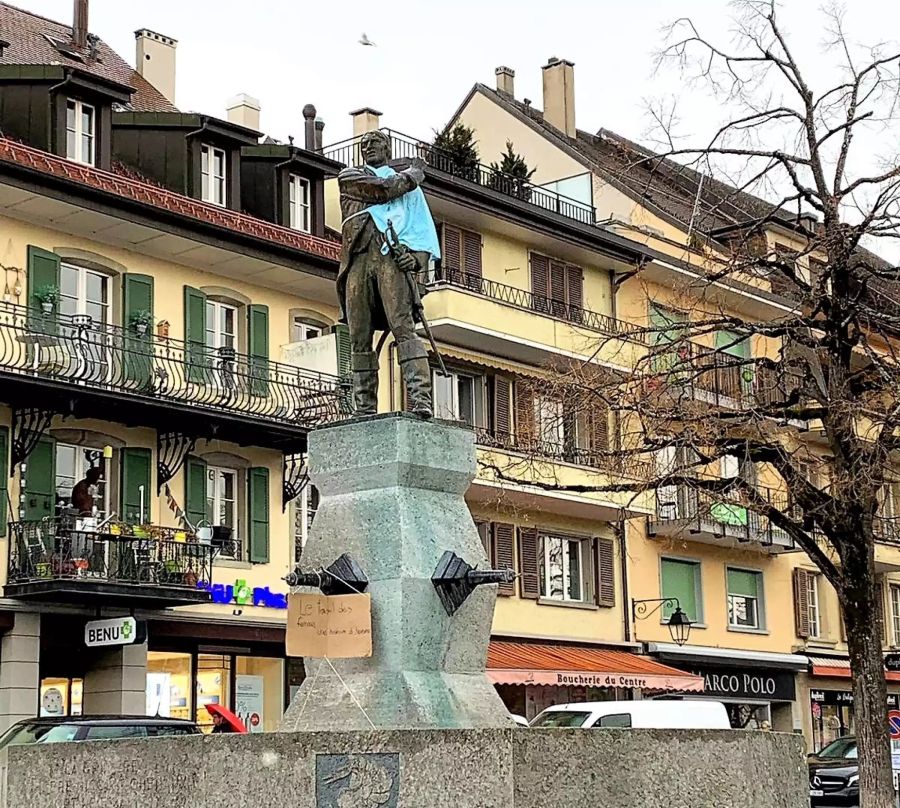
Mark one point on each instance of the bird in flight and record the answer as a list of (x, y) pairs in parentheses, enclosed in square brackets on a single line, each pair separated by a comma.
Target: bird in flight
[(364, 40)]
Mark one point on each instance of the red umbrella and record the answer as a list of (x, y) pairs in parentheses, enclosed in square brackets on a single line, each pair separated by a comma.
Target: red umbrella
[(230, 718)]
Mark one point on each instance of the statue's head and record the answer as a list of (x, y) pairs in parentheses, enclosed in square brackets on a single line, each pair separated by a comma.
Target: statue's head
[(375, 148)]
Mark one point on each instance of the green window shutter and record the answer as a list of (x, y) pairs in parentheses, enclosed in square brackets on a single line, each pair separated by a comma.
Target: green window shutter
[(43, 270), (136, 468), (742, 582), (342, 344), (137, 298), (679, 580), (4, 479), (40, 481), (195, 336), (195, 491), (258, 344), (258, 506)]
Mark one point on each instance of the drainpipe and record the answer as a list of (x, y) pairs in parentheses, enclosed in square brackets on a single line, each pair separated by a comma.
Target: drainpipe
[(52, 118), (623, 569)]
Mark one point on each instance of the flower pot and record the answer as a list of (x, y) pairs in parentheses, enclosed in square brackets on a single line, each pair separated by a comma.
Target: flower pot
[(47, 308), (141, 328)]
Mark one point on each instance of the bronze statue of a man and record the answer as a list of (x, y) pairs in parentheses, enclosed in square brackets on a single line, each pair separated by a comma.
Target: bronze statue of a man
[(388, 237)]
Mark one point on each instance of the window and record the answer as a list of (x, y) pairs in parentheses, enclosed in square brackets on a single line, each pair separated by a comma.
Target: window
[(299, 203), (459, 397), (222, 503), (72, 465), (549, 422), (557, 288), (305, 507), (745, 598), (112, 732), (80, 132), (212, 175), (895, 614), (563, 568), (618, 720), (812, 599), (681, 579), (303, 329)]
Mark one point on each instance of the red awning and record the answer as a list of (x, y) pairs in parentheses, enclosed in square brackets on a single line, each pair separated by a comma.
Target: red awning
[(840, 669), (513, 663)]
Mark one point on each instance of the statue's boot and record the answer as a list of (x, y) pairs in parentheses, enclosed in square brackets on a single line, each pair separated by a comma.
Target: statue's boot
[(365, 382), (416, 374)]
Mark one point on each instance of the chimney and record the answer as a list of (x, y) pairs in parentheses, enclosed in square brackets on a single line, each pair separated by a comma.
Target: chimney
[(243, 110), (155, 60), (365, 120), (309, 127), (559, 95), (506, 77), (320, 126), (80, 24)]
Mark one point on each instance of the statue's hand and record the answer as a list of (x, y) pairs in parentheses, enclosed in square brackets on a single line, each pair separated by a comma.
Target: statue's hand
[(407, 262), (416, 170)]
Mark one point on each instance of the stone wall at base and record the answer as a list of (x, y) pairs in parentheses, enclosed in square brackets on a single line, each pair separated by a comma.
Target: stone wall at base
[(519, 768)]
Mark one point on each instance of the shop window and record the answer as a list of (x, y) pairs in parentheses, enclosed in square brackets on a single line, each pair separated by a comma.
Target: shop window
[(895, 615), (73, 465), (60, 697), (213, 686), (564, 566), (459, 397), (745, 599), (168, 684), (681, 579), (259, 692), (222, 505)]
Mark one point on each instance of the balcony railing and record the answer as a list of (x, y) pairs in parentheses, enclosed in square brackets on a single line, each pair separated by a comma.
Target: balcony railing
[(406, 147), (76, 350), (557, 452), (71, 549), (726, 515), (523, 299)]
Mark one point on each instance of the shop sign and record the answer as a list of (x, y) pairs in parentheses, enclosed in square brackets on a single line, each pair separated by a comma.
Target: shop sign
[(241, 594), (118, 631), (846, 697), (249, 702), (892, 662), (748, 684)]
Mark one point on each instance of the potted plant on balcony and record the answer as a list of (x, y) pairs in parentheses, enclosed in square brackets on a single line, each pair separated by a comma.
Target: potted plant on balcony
[(511, 175), (141, 321), (455, 151), (47, 296)]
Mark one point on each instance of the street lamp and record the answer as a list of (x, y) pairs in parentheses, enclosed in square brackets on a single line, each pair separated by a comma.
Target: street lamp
[(679, 624)]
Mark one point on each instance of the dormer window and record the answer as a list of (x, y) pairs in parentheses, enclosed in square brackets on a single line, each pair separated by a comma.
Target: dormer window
[(212, 175), (81, 130), (299, 203)]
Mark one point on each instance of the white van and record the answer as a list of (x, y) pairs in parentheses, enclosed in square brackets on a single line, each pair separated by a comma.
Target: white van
[(649, 714)]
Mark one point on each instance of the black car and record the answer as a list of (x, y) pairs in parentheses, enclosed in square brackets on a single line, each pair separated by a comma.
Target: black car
[(94, 728), (834, 775)]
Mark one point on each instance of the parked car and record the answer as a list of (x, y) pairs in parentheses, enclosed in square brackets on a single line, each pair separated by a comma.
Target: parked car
[(519, 720), (94, 728), (649, 714), (834, 775)]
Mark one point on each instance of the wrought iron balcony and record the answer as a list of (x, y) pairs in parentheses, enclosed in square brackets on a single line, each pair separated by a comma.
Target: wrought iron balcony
[(68, 559), (710, 517), (542, 450), (146, 368), (523, 299), (406, 147)]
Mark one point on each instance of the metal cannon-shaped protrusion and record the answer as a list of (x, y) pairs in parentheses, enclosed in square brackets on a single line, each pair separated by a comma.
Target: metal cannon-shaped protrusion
[(455, 580), (343, 577)]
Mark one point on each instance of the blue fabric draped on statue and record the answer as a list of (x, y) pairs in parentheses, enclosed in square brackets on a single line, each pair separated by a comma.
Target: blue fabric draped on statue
[(411, 218)]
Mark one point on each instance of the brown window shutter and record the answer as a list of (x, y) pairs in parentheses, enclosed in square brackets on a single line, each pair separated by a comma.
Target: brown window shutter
[(879, 607), (503, 558), (471, 248), (558, 289), (574, 292), (540, 282), (599, 426), (451, 255), (529, 566), (605, 571), (524, 414), (502, 399), (801, 603)]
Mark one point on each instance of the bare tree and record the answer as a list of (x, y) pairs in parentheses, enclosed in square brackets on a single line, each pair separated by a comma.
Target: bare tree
[(725, 403)]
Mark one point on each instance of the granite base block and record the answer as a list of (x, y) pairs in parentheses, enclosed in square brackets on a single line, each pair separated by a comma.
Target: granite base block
[(517, 768)]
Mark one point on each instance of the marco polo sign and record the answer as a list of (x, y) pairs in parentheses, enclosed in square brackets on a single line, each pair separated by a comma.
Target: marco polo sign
[(757, 684)]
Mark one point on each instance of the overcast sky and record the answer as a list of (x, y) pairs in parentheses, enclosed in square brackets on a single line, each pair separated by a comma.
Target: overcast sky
[(428, 55)]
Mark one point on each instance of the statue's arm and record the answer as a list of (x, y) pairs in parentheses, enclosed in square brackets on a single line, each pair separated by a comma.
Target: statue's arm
[(377, 190)]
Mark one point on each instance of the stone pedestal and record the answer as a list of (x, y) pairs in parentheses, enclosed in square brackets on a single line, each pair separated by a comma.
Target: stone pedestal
[(392, 496)]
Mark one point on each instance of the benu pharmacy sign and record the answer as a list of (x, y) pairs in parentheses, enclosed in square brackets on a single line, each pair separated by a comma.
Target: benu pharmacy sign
[(119, 631)]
